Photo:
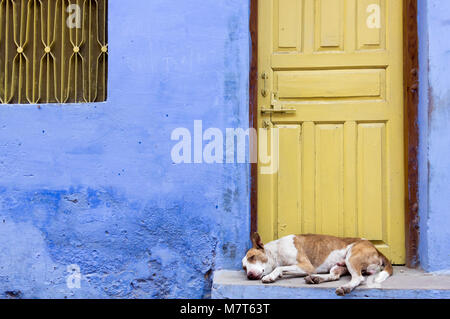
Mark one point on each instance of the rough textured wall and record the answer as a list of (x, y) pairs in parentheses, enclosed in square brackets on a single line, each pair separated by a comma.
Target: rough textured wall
[(94, 185), (434, 123)]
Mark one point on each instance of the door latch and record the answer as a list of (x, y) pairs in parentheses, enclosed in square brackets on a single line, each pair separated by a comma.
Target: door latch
[(276, 107)]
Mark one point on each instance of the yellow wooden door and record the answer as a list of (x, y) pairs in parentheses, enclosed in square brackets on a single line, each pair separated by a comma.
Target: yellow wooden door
[(331, 101)]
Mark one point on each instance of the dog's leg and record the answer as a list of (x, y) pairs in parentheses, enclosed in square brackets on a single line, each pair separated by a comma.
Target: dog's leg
[(279, 272), (335, 273), (355, 269), (355, 282)]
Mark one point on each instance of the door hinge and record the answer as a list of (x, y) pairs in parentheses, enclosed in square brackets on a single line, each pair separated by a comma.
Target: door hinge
[(265, 77), (266, 124)]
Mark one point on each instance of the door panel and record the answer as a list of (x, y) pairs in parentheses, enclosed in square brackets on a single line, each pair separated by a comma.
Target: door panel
[(371, 180), (337, 66), (288, 35), (329, 186), (329, 83), (371, 12), (289, 179), (329, 19)]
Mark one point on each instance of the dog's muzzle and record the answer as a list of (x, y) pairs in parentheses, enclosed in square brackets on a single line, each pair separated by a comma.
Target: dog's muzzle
[(253, 276)]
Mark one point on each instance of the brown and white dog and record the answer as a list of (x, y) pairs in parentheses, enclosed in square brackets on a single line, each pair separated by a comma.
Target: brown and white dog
[(318, 258)]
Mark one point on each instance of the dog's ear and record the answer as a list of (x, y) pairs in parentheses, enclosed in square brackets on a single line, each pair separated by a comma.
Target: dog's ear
[(257, 242)]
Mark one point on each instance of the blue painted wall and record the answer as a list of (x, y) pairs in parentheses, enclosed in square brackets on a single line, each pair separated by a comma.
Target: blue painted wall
[(94, 185), (434, 125)]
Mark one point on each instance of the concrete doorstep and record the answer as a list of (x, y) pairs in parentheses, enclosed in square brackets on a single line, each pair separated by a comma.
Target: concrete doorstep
[(404, 284)]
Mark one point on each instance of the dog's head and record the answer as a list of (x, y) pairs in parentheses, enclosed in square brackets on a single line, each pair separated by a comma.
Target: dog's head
[(256, 262)]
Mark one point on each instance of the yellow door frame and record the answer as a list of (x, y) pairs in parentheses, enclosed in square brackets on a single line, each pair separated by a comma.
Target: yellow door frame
[(410, 83)]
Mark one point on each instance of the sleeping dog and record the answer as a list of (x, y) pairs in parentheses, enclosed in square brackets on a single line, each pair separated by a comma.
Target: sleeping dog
[(318, 258)]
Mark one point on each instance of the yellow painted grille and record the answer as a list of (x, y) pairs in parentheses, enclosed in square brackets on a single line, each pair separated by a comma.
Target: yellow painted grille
[(53, 51)]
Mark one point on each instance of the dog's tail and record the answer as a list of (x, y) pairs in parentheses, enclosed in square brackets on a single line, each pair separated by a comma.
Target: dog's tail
[(387, 269)]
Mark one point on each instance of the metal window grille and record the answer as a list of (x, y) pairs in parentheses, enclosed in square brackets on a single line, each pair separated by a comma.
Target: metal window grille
[(53, 51)]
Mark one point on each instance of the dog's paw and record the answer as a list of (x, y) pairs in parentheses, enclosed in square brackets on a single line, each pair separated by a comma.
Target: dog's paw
[(309, 280), (313, 280), (268, 279), (342, 291)]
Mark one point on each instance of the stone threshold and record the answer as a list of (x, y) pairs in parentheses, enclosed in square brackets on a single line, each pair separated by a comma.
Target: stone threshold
[(404, 284)]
